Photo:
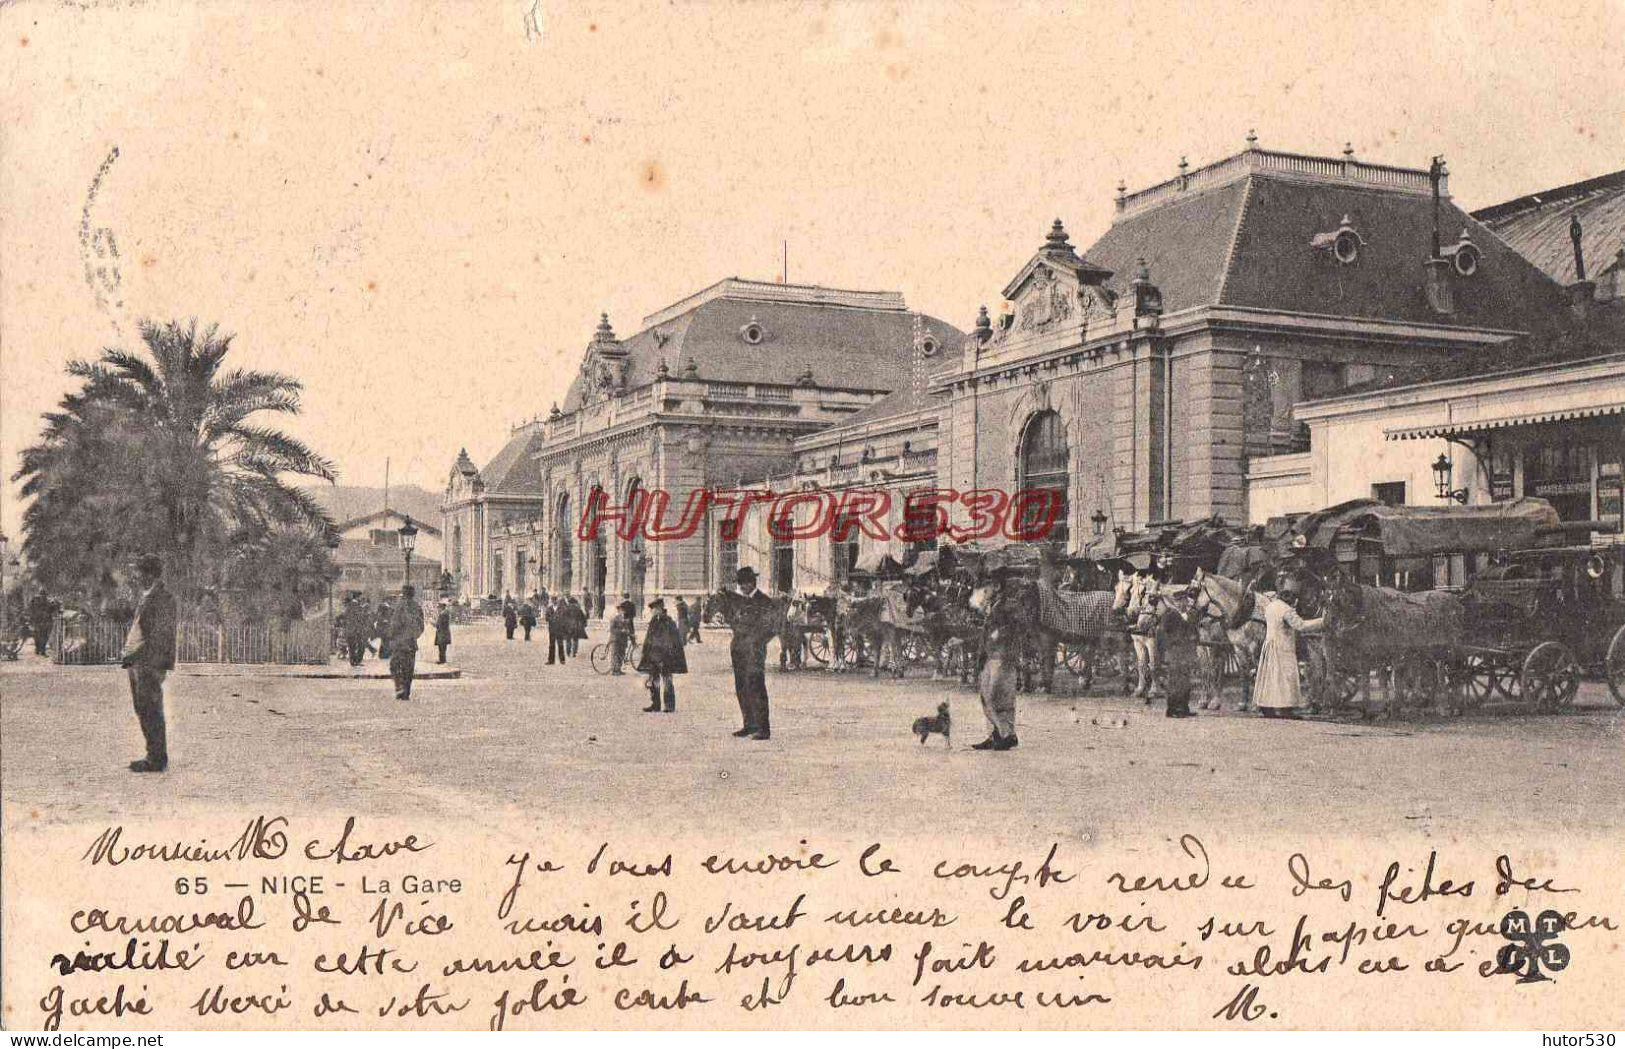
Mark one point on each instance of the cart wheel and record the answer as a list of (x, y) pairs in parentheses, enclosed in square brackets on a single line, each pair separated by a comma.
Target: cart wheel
[(818, 645), (1613, 666), (600, 658), (1479, 679), (1550, 677), (1509, 685)]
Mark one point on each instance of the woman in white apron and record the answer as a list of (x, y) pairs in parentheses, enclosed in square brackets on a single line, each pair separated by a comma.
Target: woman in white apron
[(1276, 691)]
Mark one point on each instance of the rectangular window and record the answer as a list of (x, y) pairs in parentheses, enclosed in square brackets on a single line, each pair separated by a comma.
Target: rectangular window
[(727, 561), (1390, 493)]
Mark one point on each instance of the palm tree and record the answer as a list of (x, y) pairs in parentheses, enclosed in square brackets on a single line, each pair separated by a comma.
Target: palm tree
[(164, 453)]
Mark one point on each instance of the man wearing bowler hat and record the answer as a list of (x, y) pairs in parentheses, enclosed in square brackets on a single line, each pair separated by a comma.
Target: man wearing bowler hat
[(752, 628), (149, 654)]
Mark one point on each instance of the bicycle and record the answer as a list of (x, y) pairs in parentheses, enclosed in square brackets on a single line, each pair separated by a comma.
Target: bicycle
[(601, 658)]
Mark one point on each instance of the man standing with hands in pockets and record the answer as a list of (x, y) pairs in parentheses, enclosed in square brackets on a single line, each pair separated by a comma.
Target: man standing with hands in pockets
[(149, 654), (752, 627)]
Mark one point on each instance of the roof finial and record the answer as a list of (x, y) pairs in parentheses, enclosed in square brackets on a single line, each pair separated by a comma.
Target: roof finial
[(1252, 138), (1348, 151), (604, 333), (1184, 166), (662, 371), (1056, 242), (984, 325)]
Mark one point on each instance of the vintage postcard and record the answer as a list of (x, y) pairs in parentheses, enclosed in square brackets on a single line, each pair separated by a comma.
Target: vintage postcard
[(526, 515)]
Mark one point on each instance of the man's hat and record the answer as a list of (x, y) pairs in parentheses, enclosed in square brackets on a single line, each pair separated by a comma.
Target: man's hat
[(659, 603), (149, 564), (745, 575)]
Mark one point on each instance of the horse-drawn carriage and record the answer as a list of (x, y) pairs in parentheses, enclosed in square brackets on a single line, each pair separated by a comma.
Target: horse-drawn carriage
[(1461, 606)]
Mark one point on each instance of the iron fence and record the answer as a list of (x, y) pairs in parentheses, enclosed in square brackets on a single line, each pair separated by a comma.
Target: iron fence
[(81, 640)]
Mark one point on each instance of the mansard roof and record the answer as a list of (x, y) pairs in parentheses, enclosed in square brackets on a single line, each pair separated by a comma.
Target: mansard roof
[(759, 332), (1536, 226), (910, 397), (1241, 233), (513, 470)]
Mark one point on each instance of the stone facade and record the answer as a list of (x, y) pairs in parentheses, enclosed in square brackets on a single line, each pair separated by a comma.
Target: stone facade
[(712, 393), (1243, 296), (1138, 378)]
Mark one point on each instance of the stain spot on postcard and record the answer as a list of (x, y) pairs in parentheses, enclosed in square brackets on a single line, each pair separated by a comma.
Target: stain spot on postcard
[(652, 176)]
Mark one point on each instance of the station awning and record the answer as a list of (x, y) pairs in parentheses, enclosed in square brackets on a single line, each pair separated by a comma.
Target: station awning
[(1414, 433)]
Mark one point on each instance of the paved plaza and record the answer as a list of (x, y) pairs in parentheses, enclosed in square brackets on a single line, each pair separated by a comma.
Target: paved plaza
[(568, 746)]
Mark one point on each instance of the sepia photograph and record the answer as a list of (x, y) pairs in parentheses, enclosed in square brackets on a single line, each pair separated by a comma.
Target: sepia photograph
[(1106, 516)]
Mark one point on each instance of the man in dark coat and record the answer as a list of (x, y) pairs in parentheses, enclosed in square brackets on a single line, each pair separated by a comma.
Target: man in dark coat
[(527, 618), (357, 624), (405, 627), (510, 617), (557, 628), (442, 631), (622, 635), (661, 658), (753, 626), (149, 654), (41, 614), (696, 618), (578, 626), (682, 619), (380, 628)]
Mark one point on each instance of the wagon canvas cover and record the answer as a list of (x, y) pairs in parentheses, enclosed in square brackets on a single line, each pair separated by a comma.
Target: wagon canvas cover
[(1416, 531)]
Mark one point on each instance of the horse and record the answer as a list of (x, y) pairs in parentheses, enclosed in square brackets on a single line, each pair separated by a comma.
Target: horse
[(1230, 617), (1082, 620), (1411, 638), (953, 631)]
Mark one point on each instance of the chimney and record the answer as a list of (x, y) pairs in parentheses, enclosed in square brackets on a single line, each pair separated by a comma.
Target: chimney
[(1440, 294), (1582, 291)]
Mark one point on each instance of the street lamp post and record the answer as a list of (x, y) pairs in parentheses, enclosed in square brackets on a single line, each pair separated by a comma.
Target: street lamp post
[(1441, 481), (1097, 522), (409, 540)]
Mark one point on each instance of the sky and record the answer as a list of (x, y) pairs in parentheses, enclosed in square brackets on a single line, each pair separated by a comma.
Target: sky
[(420, 209)]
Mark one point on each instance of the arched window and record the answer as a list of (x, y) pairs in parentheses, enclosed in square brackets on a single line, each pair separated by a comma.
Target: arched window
[(1042, 464)]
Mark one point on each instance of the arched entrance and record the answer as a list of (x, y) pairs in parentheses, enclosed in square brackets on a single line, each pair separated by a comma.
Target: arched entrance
[(1042, 465)]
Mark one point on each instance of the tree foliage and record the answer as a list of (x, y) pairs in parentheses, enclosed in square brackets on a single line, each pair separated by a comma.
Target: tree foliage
[(166, 452)]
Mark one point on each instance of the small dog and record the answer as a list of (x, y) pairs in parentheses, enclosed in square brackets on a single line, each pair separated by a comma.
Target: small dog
[(942, 723)]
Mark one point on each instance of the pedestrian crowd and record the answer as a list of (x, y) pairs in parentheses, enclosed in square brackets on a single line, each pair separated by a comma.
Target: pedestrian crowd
[(1168, 634)]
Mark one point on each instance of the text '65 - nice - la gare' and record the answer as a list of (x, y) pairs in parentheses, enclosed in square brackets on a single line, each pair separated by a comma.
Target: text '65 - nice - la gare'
[(1271, 333)]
